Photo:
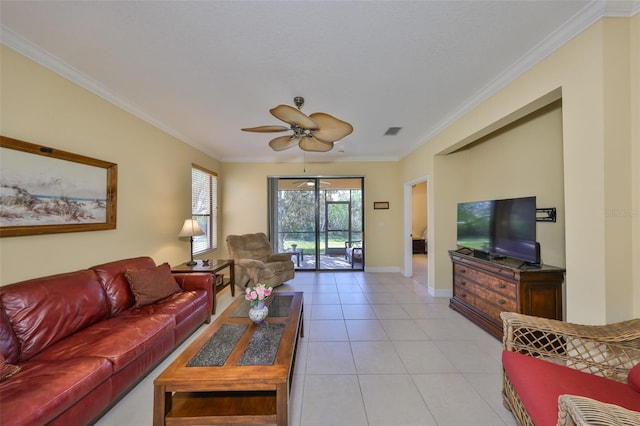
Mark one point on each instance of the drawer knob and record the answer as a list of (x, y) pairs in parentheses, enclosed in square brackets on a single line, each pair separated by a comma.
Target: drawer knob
[(463, 271), (501, 285), (501, 301), (463, 295), (463, 283)]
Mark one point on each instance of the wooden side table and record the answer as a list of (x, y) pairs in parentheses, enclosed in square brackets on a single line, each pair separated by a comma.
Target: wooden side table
[(213, 267)]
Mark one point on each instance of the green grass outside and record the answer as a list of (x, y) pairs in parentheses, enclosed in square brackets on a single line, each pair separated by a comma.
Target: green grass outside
[(310, 247)]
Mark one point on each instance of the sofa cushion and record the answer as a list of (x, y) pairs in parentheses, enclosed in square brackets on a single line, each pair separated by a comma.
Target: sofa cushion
[(42, 390), (7, 370), (112, 278), (120, 340), (179, 305), (45, 310), (151, 285), (634, 378), (539, 383), (9, 345)]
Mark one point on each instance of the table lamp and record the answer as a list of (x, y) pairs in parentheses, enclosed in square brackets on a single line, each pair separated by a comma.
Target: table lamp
[(191, 229)]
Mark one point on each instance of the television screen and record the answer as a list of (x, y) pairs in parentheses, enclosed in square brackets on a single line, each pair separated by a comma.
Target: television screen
[(475, 224), (514, 233), (499, 227)]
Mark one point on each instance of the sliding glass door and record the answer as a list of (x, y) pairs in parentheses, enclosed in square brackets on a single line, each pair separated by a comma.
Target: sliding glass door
[(319, 221)]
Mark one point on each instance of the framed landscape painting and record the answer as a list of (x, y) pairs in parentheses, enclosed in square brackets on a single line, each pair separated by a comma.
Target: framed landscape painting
[(45, 190)]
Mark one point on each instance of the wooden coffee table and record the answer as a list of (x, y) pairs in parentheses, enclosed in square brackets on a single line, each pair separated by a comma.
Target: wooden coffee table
[(235, 371)]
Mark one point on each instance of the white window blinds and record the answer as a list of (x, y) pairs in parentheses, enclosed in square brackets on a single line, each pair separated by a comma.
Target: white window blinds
[(204, 207)]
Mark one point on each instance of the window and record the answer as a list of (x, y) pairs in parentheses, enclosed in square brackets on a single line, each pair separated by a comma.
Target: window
[(204, 207)]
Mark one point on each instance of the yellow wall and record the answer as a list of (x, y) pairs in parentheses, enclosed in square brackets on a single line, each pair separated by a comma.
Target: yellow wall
[(522, 159), (154, 180), (634, 54), (154, 173), (245, 208), (595, 74), (599, 137)]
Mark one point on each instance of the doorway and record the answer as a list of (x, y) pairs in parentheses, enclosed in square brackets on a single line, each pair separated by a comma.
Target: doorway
[(416, 230), (319, 220)]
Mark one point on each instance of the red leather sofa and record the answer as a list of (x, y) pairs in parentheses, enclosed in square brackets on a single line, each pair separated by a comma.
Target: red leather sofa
[(81, 343)]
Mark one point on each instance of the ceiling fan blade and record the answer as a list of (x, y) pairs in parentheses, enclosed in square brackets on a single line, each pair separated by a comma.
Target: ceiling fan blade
[(293, 116), (315, 145), (266, 129), (308, 183), (330, 129), (283, 142)]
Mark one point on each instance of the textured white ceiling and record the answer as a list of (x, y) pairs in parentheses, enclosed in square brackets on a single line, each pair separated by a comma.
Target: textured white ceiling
[(201, 70)]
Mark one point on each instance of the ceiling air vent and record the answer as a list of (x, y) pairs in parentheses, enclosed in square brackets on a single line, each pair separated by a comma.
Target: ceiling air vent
[(392, 131)]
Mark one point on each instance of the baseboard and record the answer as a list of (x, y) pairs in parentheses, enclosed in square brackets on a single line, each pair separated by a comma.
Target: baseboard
[(441, 292)]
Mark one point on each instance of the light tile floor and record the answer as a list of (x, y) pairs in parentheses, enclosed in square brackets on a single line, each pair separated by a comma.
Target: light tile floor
[(378, 350)]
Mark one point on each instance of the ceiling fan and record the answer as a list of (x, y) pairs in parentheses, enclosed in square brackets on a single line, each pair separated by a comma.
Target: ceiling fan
[(316, 132), (310, 183)]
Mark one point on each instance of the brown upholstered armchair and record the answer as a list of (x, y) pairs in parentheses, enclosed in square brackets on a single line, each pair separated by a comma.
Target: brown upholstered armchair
[(255, 261)]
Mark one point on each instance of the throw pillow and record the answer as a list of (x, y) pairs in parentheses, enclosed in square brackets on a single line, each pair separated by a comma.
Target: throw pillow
[(153, 284), (7, 370), (634, 377)]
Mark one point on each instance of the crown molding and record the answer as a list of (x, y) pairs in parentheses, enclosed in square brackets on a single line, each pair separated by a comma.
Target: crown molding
[(590, 14), (585, 18), (35, 53)]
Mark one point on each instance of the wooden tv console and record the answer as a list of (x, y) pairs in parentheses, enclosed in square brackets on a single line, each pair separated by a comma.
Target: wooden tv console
[(484, 288)]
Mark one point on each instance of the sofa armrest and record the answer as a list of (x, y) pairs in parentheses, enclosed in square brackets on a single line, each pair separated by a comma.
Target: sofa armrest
[(279, 257), (605, 350), (193, 281), (581, 411)]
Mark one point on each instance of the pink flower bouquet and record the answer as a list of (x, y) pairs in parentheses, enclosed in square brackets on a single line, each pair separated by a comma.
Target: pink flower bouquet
[(257, 294)]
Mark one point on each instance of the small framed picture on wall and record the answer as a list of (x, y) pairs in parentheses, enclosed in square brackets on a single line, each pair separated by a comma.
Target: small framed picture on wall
[(381, 205)]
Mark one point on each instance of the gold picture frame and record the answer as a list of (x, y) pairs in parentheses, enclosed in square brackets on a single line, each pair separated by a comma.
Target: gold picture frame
[(381, 205), (45, 190)]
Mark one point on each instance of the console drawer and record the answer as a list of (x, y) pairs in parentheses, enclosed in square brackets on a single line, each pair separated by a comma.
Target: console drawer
[(482, 289), (505, 289), (487, 297)]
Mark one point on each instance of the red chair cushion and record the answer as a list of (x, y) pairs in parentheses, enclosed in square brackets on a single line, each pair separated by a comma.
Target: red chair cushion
[(634, 378), (539, 383)]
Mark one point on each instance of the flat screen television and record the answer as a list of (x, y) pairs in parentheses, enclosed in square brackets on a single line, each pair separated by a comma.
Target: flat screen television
[(500, 228)]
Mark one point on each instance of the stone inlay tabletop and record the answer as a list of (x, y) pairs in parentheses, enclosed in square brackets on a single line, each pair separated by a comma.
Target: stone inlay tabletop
[(216, 351), (263, 347)]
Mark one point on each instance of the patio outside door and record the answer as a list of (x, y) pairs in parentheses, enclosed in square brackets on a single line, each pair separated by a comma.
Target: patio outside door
[(318, 220)]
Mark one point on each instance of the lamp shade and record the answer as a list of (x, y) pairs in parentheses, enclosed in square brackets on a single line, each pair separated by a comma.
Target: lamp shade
[(190, 229)]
